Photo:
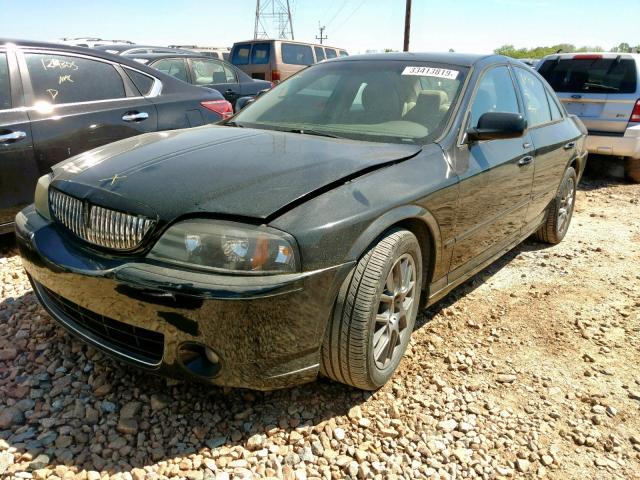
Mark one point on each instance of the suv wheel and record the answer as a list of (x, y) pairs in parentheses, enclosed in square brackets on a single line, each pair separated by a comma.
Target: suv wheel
[(375, 313)]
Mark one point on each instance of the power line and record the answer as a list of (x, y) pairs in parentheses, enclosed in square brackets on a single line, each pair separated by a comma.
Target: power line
[(344, 4), (350, 15)]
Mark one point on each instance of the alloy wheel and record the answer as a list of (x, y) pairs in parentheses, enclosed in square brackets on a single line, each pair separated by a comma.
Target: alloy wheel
[(567, 198), (394, 308)]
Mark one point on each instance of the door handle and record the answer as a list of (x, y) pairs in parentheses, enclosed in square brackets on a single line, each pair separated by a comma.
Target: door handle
[(526, 145), (525, 161), (12, 137), (569, 145), (135, 116)]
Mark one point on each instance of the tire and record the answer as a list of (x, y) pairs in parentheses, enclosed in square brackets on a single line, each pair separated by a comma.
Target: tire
[(632, 169), (560, 210), (364, 315)]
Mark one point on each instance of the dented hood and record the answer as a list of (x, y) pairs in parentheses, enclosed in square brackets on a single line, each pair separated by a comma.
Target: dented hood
[(220, 170)]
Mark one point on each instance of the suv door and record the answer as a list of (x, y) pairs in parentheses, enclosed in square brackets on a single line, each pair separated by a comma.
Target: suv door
[(18, 172), (212, 73), (496, 186), (553, 138), (79, 103)]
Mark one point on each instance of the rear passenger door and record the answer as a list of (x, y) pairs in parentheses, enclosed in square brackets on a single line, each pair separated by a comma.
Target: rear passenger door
[(208, 72), (551, 136), (79, 103), (18, 172)]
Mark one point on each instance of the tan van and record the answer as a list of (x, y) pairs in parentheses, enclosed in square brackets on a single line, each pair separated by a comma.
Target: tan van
[(276, 60)]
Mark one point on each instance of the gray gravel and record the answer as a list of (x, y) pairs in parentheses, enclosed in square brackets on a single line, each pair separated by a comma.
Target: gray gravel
[(529, 370)]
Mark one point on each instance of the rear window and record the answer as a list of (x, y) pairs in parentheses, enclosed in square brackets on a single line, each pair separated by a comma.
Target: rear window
[(343, 53), (240, 55), (260, 53), (591, 75), (296, 54)]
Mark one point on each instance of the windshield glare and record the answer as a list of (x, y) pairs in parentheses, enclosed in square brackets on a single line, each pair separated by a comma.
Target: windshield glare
[(380, 101)]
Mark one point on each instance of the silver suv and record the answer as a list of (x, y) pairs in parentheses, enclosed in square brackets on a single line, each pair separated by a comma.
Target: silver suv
[(603, 89)]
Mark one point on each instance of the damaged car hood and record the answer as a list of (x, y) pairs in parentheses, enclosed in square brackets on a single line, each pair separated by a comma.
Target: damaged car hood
[(220, 170)]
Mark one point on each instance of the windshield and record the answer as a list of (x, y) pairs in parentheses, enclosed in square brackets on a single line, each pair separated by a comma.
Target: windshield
[(380, 101), (590, 75)]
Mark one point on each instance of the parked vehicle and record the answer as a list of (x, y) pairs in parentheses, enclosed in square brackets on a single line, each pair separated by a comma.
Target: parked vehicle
[(203, 71), (221, 53), (603, 89), (57, 101), (133, 49), (277, 60), (90, 42), (304, 234)]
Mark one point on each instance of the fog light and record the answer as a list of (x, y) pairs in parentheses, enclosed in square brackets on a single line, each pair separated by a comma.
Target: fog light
[(199, 360)]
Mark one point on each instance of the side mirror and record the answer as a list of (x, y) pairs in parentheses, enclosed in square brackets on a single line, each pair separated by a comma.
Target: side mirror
[(243, 102), (498, 125)]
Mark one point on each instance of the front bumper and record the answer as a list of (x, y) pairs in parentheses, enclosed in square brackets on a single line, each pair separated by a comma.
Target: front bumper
[(266, 331), (627, 145)]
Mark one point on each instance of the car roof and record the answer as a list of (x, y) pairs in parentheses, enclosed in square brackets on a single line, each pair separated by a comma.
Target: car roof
[(155, 56), (267, 40), (125, 46), (461, 59), (170, 84)]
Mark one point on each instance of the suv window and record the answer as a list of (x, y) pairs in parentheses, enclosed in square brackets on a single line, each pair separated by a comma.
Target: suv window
[(5, 86), (142, 82), (319, 53), (343, 53), (591, 74), (296, 54), (331, 53), (260, 53), (206, 72), (65, 79), (495, 94), (556, 113), (535, 98), (240, 55), (176, 67)]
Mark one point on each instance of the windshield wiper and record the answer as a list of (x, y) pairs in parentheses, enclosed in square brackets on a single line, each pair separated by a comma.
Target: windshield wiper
[(597, 85), (309, 131)]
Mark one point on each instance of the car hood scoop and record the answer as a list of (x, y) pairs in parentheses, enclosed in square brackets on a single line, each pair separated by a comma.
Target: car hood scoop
[(222, 170)]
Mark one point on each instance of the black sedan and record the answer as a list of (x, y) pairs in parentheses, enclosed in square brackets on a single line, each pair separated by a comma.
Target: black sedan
[(209, 72), (57, 101), (304, 235)]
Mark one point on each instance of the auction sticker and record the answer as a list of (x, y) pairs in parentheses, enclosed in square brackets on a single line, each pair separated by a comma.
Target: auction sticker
[(431, 72)]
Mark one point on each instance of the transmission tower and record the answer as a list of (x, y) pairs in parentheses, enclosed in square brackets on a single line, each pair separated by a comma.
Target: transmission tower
[(270, 14)]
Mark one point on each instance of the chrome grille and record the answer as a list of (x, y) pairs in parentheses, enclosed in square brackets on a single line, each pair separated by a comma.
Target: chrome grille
[(98, 225)]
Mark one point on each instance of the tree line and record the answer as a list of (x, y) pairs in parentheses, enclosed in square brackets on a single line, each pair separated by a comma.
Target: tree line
[(539, 52)]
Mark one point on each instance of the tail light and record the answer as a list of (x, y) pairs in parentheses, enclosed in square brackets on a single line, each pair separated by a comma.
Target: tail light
[(635, 115), (221, 107), (275, 76)]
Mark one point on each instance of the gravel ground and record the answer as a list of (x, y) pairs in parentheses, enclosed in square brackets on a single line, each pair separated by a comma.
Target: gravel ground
[(529, 370)]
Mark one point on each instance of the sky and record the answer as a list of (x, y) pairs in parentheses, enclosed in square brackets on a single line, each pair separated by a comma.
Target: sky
[(357, 25)]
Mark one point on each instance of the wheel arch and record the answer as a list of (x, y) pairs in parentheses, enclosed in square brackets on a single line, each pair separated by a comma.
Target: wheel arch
[(418, 221)]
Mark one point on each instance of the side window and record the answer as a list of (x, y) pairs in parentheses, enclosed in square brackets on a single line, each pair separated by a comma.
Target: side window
[(556, 113), (495, 94), (142, 82), (535, 98), (343, 53), (65, 79), (331, 53), (319, 53), (240, 54), (294, 54), (5, 86), (175, 67), (260, 53), (206, 72), (230, 74)]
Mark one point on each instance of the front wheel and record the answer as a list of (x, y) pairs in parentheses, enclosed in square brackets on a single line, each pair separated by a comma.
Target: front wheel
[(375, 313), (560, 210)]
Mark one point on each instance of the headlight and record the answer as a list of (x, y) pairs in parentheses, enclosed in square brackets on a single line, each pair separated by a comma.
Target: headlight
[(227, 247), (42, 195)]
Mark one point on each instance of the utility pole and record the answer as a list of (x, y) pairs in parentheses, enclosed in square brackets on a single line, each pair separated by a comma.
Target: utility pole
[(407, 26), (321, 38)]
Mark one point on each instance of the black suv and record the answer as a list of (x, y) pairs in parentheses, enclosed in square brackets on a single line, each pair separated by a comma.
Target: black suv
[(57, 101)]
